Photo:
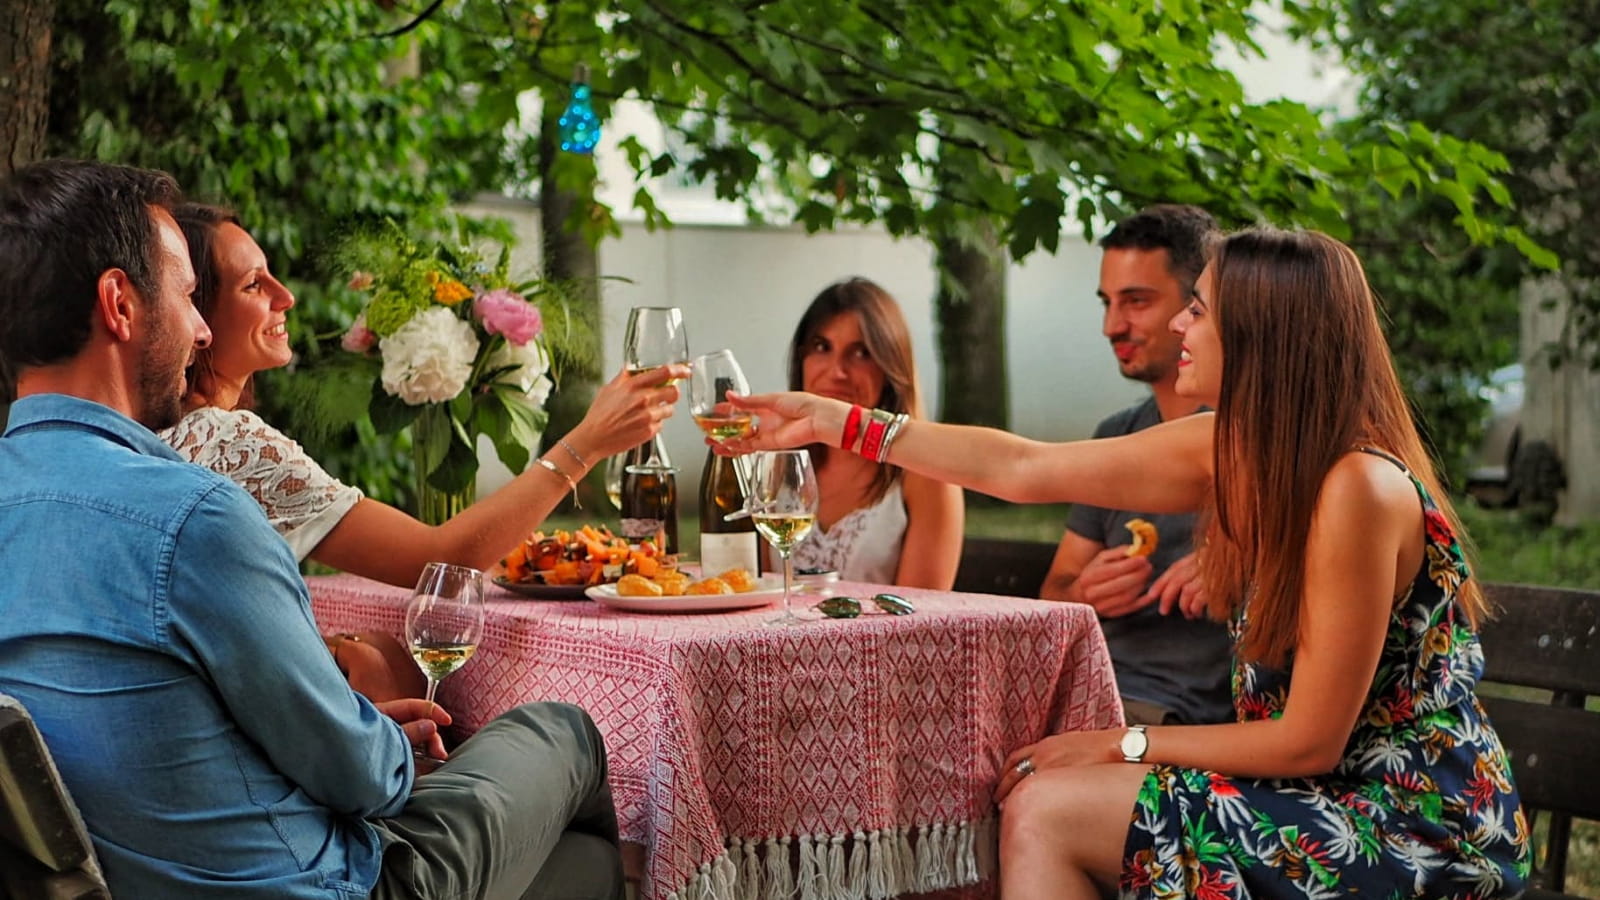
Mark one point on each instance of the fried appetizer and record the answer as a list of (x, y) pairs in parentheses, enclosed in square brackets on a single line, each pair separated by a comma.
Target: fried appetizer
[(1144, 538)]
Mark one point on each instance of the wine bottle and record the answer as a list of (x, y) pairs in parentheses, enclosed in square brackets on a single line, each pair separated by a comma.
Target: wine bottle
[(650, 496), (724, 545)]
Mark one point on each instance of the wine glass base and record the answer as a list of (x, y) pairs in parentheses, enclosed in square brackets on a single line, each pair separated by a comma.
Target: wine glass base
[(788, 618)]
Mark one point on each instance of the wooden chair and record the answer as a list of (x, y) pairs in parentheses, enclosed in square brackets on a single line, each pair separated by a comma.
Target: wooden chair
[(45, 852), (1545, 647)]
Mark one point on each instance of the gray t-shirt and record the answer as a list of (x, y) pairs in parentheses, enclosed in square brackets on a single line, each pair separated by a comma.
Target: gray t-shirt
[(1176, 663)]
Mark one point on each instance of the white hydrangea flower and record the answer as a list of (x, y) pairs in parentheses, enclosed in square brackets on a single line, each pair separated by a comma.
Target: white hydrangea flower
[(429, 359), (532, 361)]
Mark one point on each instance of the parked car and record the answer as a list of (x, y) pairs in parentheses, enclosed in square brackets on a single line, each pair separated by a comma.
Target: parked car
[(1489, 478)]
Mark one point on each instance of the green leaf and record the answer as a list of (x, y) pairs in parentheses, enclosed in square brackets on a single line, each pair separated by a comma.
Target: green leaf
[(389, 414)]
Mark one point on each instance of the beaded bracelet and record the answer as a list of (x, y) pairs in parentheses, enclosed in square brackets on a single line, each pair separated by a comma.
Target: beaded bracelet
[(852, 428), (582, 463), (576, 503)]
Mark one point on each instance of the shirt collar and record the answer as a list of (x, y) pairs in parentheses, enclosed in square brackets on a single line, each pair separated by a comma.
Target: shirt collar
[(41, 411)]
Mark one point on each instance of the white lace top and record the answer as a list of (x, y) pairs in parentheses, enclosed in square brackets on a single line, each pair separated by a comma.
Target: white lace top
[(302, 501), (862, 546)]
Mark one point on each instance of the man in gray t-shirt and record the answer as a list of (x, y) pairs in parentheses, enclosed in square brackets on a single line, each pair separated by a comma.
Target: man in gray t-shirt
[(1171, 662)]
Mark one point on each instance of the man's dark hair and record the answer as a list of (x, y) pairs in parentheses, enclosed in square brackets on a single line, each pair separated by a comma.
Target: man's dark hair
[(1187, 233), (63, 223)]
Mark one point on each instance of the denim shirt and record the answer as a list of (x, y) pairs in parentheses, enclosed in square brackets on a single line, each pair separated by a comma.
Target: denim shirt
[(158, 630)]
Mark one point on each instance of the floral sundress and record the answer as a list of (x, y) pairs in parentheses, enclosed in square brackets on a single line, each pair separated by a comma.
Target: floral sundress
[(1421, 804)]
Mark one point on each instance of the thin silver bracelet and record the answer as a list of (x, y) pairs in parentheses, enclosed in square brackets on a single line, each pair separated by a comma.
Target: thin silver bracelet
[(575, 457), (889, 436), (576, 503)]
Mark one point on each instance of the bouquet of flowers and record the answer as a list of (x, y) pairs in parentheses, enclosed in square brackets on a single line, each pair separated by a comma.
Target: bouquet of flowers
[(464, 350)]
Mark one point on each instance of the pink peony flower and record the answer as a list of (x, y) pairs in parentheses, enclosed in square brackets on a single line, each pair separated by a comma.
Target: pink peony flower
[(360, 281), (359, 339), (504, 312)]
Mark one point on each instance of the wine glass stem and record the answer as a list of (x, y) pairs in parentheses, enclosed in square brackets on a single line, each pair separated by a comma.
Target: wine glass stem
[(788, 578), (433, 685)]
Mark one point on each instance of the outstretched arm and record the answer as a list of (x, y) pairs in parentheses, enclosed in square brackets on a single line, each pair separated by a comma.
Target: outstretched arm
[(1162, 469), (383, 543)]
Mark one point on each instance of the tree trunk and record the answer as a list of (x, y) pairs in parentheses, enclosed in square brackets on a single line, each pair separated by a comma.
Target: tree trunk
[(24, 104), (24, 81), (971, 305), (1561, 408), (569, 258)]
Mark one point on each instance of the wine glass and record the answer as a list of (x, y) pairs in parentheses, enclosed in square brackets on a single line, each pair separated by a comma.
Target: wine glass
[(711, 377), (655, 337), (614, 467), (444, 620), (783, 499)]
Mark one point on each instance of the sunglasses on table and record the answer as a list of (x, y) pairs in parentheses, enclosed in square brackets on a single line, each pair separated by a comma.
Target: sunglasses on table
[(850, 607)]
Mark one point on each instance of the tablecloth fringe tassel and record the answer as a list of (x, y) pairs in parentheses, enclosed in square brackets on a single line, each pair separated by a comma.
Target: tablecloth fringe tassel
[(873, 865)]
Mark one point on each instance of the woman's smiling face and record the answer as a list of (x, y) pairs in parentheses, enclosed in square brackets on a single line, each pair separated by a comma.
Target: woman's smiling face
[(251, 311), (1200, 363)]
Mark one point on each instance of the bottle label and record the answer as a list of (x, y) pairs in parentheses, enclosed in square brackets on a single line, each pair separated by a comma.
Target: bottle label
[(644, 530), (721, 552)]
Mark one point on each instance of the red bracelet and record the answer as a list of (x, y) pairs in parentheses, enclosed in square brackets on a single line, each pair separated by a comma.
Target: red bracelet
[(870, 444), (852, 428)]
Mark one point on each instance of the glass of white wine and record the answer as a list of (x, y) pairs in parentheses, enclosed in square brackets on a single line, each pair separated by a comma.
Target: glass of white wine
[(614, 467), (711, 377), (783, 499), (655, 337), (444, 620)]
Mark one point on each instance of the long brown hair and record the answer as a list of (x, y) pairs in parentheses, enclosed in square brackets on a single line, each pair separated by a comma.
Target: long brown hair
[(1306, 378), (888, 339), (200, 223)]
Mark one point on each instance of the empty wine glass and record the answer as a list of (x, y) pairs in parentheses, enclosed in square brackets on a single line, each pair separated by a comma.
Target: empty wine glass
[(444, 620), (783, 499), (655, 337)]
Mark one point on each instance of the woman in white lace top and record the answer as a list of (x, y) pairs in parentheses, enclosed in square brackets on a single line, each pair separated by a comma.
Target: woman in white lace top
[(320, 517), (876, 523)]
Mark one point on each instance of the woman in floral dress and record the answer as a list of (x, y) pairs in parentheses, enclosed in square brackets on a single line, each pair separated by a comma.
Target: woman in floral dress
[(1361, 762)]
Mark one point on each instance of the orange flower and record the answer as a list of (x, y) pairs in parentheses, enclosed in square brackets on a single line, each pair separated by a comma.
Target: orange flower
[(450, 292)]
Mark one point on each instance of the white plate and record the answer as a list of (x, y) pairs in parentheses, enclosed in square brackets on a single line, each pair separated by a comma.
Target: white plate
[(769, 589)]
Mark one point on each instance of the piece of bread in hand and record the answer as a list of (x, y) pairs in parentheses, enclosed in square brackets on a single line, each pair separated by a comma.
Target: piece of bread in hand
[(1145, 538)]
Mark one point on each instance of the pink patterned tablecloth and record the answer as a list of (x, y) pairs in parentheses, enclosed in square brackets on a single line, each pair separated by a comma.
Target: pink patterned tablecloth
[(840, 758)]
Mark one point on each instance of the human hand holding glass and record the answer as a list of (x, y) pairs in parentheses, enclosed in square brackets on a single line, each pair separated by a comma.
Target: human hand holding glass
[(783, 499), (444, 620)]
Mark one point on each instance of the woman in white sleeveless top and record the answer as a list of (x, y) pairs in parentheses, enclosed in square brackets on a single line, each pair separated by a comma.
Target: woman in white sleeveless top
[(321, 518), (875, 523)]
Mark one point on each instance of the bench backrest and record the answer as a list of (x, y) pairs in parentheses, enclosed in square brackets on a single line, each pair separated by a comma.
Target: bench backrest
[(45, 852), (1545, 644)]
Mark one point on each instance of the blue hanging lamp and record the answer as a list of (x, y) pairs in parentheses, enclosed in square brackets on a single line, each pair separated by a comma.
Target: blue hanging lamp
[(580, 127)]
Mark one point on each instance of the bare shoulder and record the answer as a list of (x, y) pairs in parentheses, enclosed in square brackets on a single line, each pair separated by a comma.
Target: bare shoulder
[(1366, 485)]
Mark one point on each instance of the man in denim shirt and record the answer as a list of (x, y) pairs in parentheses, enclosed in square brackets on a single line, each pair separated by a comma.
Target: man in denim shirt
[(159, 632)]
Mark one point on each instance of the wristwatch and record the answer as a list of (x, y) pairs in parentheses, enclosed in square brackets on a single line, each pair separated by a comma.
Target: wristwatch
[(1134, 743)]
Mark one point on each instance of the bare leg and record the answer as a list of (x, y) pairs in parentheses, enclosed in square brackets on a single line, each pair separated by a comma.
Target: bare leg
[(1062, 832)]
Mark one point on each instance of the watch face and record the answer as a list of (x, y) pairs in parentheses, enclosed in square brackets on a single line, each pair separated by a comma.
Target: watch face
[(1134, 743)]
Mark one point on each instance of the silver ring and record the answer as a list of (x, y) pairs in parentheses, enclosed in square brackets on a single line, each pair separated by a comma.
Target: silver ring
[(1025, 768)]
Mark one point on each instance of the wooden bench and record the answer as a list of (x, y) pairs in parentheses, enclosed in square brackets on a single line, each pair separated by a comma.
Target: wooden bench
[(1545, 647), (45, 852), (1542, 657)]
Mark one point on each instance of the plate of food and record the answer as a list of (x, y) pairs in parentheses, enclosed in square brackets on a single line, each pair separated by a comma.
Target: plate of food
[(736, 589), (540, 591), (561, 565)]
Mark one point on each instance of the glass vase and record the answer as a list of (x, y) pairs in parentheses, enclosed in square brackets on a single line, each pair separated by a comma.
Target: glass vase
[(436, 506)]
